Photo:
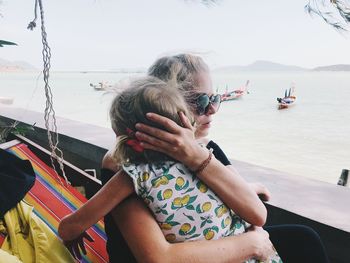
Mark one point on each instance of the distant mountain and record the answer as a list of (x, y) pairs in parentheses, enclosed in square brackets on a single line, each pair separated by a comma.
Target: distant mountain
[(339, 67), (6, 65), (260, 65), (130, 70)]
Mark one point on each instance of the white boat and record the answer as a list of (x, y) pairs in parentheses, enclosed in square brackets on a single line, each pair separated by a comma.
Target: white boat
[(6, 100), (101, 86)]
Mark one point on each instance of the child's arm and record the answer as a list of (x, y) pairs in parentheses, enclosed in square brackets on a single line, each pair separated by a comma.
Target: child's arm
[(179, 143), (109, 196)]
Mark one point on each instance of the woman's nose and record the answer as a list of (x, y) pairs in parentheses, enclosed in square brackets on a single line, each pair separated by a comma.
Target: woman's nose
[(212, 110)]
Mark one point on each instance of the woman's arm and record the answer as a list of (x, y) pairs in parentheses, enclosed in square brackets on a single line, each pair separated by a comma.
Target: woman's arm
[(235, 192), (260, 189), (148, 244), (263, 193), (110, 195), (179, 143)]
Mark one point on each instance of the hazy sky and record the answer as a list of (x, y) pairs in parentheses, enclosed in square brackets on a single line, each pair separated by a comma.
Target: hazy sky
[(111, 34)]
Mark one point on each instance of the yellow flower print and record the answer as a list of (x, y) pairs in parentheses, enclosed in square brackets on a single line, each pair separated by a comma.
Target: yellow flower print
[(185, 201), (221, 210), (168, 223), (143, 178), (202, 187), (209, 233), (170, 237), (166, 194), (181, 183), (162, 180), (165, 226), (226, 222), (205, 207), (186, 229)]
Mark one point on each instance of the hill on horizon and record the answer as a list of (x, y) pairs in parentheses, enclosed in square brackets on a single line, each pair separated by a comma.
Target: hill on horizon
[(338, 67), (257, 66), (6, 65), (261, 65)]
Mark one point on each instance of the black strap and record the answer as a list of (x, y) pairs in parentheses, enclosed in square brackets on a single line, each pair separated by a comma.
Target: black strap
[(16, 178)]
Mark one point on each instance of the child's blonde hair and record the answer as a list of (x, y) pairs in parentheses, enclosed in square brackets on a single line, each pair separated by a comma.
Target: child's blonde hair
[(148, 94)]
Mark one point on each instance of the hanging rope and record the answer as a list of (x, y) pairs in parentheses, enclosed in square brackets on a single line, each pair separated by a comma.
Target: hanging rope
[(49, 115)]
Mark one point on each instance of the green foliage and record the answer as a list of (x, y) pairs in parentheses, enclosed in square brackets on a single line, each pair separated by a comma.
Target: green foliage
[(14, 128), (4, 42), (334, 12)]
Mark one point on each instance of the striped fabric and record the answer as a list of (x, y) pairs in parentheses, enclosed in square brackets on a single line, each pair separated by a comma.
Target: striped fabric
[(52, 199), (2, 239)]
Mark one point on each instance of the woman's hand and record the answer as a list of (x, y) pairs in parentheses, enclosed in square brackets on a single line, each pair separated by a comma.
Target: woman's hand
[(264, 249), (261, 190), (177, 142)]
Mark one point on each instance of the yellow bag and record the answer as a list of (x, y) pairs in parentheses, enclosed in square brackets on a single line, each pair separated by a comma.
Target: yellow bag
[(30, 239)]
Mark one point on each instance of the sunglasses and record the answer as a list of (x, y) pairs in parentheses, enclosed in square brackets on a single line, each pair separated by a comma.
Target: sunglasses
[(203, 101)]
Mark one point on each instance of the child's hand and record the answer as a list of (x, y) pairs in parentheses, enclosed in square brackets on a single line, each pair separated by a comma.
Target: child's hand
[(74, 246)]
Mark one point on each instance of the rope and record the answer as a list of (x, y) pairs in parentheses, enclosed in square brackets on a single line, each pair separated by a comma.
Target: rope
[(49, 114)]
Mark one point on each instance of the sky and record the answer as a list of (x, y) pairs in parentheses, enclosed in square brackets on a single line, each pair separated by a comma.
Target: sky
[(114, 34)]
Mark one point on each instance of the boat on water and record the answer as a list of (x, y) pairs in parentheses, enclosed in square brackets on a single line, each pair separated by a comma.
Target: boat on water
[(6, 100), (288, 99), (235, 94), (101, 86)]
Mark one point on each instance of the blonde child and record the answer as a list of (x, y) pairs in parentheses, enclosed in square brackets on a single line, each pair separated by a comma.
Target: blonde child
[(182, 204)]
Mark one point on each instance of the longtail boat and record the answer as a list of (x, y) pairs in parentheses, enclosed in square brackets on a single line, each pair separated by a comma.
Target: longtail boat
[(235, 94), (288, 99)]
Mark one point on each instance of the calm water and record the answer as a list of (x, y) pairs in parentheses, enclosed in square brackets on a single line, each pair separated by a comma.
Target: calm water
[(310, 139)]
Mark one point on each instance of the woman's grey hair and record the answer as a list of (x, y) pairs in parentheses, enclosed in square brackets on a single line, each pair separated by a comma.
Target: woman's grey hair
[(183, 69)]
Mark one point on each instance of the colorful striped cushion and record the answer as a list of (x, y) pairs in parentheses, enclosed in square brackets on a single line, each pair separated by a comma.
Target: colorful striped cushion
[(53, 198), (2, 239)]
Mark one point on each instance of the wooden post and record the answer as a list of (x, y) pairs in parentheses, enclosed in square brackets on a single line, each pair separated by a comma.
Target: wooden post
[(343, 179)]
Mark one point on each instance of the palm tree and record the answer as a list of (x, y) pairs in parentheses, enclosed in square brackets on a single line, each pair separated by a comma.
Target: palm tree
[(333, 12), (4, 42)]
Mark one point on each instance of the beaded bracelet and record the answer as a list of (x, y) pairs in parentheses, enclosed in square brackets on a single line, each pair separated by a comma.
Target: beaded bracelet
[(205, 163)]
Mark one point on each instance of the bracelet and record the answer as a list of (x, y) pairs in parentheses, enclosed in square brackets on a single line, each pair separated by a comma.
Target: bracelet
[(204, 164)]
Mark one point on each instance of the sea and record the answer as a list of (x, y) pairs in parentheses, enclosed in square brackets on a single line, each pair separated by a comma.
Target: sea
[(309, 139)]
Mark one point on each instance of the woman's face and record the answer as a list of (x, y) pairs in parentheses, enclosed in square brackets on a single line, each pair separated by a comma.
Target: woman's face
[(203, 122)]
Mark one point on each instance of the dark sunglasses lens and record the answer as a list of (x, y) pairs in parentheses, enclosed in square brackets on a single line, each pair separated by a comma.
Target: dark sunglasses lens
[(202, 104), (216, 100)]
